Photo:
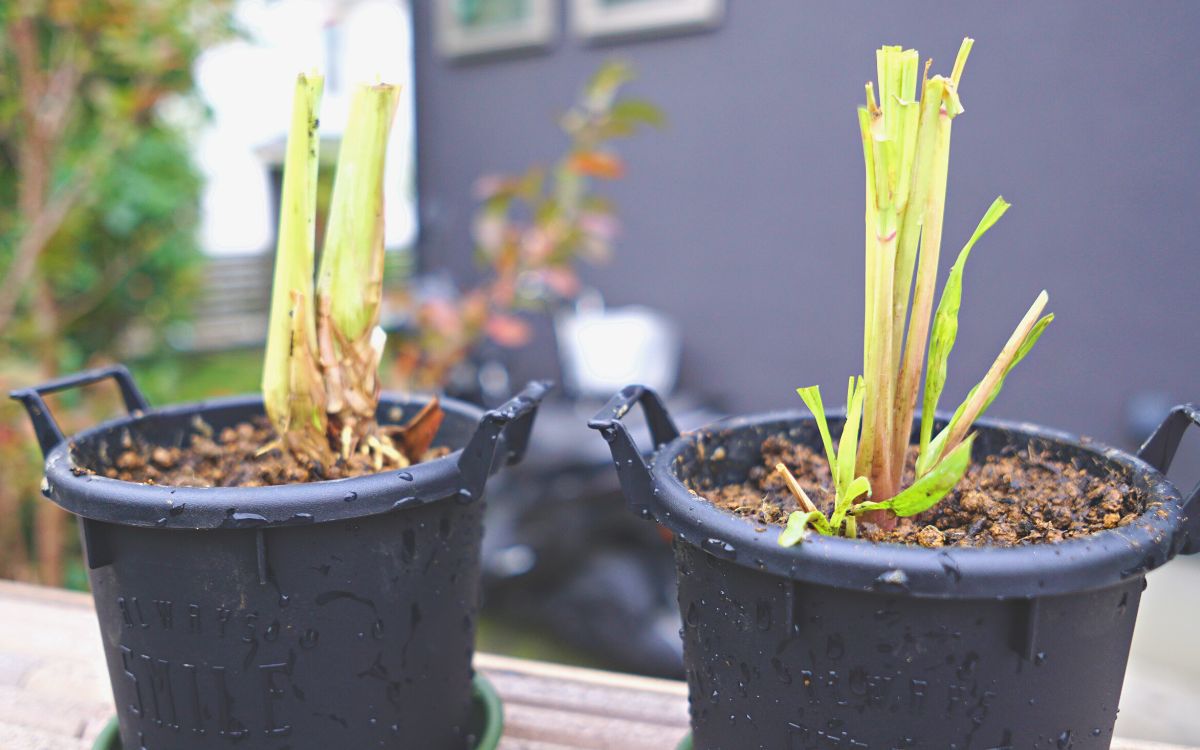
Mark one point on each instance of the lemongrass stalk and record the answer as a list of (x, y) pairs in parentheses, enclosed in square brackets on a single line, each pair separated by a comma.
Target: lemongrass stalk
[(867, 439), (291, 383), (940, 93), (1017, 346), (350, 280)]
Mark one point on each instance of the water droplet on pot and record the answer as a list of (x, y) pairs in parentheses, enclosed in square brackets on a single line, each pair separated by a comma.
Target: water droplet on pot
[(350, 496), (243, 520), (693, 615), (406, 476), (720, 548), (1064, 740), (284, 600), (1039, 658), (950, 566), (405, 501), (464, 496), (893, 578), (1097, 732)]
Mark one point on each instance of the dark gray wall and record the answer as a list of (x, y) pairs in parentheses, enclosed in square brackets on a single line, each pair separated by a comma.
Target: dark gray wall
[(744, 218)]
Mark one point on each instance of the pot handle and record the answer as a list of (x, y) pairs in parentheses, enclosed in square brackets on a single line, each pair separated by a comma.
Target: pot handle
[(515, 420), (636, 482), (49, 434), (1159, 451)]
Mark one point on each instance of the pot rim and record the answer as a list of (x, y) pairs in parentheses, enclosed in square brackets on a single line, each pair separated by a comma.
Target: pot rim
[(127, 503), (1099, 560)]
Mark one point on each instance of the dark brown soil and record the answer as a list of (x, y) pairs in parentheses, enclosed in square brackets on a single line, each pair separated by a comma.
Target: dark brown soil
[(235, 458), (1002, 501)]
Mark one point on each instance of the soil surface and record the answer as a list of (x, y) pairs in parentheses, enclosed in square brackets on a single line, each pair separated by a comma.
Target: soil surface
[(1002, 501), (235, 457)]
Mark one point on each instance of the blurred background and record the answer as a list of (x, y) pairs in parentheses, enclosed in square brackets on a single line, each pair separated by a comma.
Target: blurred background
[(689, 217)]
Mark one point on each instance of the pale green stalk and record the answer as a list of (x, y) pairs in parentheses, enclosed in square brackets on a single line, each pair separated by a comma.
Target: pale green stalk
[(940, 102), (867, 440), (353, 252), (350, 280), (291, 384)]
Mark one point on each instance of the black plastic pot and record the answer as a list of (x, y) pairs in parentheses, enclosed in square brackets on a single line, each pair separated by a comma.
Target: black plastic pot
[(841, 643), (337, 614)]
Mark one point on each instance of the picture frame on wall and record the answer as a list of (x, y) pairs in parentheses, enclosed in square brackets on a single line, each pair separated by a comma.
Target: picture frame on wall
[(477, 28), (603, 20)]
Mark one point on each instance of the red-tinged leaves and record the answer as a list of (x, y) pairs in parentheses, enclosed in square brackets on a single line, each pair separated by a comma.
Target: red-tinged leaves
[(508, 330), (598, 164)]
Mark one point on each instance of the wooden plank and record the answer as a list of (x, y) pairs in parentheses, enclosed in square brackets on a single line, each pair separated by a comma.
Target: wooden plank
[(54, 692)]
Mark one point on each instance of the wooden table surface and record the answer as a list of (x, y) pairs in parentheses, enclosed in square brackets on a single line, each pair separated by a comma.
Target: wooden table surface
[(54, 692)]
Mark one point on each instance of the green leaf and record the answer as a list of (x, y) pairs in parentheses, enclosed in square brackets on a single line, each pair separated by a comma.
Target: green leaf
[(929, 489), (812, 399), (931, 455), (845, 501), (797, 527), (848, 443), (638, 112), (851, 528), (603, 87), (945, 323)]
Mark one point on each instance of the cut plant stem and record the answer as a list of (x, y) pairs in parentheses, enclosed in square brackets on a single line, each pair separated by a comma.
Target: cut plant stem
[(292, 392), (984, 392), (801, 496), (350, 280)]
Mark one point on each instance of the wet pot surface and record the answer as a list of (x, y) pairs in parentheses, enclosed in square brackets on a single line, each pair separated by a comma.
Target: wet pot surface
[(296, 617), (297, 633), (361, 633), (841, 643), (775, 663)]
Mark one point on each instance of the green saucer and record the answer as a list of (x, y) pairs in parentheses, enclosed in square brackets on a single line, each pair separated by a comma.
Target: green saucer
[(486, 721)]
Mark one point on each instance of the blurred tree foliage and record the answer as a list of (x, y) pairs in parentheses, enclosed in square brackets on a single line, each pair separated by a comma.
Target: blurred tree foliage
[(98, 208)]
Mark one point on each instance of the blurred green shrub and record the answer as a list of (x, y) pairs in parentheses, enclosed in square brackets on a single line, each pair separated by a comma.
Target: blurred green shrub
[(99, 205)]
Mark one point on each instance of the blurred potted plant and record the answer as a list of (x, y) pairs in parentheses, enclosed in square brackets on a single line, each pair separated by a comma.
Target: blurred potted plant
[(301, 568), (531, 233), (989, 604)]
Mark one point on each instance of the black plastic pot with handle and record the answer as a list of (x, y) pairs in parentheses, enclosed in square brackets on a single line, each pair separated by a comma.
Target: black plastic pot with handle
[(308, 616), (844, 643)]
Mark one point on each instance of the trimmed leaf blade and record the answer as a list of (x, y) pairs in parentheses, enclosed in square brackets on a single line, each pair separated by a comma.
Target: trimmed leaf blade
[(1019, 344), (812, 399), (945, 322), (797, 527), (929, 489)]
